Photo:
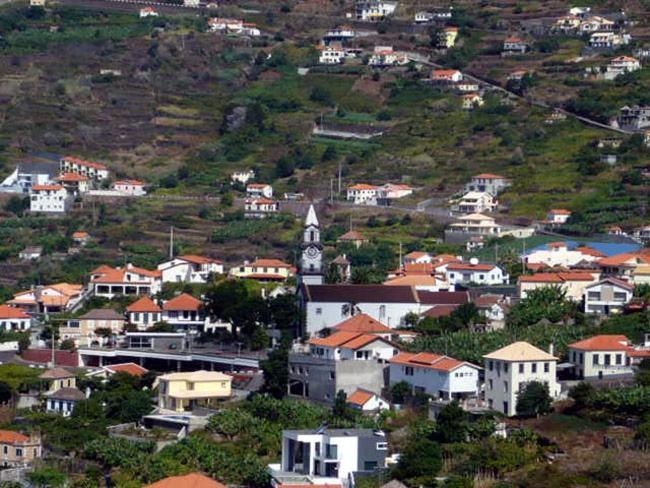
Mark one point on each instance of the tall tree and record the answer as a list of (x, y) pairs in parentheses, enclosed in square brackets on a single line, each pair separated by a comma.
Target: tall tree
[(534, 400)]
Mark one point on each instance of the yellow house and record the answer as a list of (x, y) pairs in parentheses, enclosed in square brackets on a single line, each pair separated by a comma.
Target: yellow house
[(184, 391), (447, 37), (264, 269)]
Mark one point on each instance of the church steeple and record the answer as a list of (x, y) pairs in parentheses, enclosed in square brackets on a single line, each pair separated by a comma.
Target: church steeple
[(311, 261)]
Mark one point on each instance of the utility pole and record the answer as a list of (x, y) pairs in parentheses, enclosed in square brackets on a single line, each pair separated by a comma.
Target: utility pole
[(400, 255), (331, 191), (171, 242), (339, 192), (523, 256)]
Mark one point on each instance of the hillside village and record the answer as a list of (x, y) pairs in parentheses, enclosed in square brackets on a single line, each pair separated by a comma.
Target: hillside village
[(360, 244)]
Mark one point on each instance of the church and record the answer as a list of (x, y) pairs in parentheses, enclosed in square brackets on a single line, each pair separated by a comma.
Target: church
[(311, 260)]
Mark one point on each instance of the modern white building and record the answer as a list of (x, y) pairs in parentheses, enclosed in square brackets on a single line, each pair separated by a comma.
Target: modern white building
[(259, 190), (110, 282), (572, 283), (242, 176), (190, 268), (367, 401), (374, 10), (259, 208), (52, 199), (601, 356), (28, 174), (94, 171), (442, 377), (334, 53), (608, 296), (341, 346), (509, 369), (463, 273), (144, 313), (387, 56), (559, 254), (328, 456)]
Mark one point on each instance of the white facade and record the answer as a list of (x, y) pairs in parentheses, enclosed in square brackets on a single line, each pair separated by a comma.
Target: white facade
[(374, 10), (148, 12), (190, 269), (476, 224), (111, 282), (311, 260), (473, 272), (377, 349), (50, 199), (259, 190), (451, 380), (95, 171), (14, 319), (601, 356), (608, 296), (508, 370), (362, 193), (242, 176), (331, 54), (558, 254), (491, 183), (475, 202), (386, 56), (260, 207), (130, 187)]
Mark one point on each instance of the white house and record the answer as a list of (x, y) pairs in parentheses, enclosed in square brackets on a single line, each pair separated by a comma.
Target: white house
[(595, 24), (366, 401), (186, 313), (344, 345), (442, 377), (14, 319), (572, 283), (476, 224), (94, 171), (387, 56), (28, 174), (190, 268), (418, 257), (514, 45), (143, 313), (242, 176), (557, 216), (559, 254), (109, 282), (362, 193), (59, 297), (74, 183), (445, 76), (475, 202), (148, 12), (31, 253), (334, 53), (423, 17), (509, 369), (325, 306), (374, 10), (264, 269), (488, 182), (328, 457), (475, 272), (259, 190), (470, 101), (621, 65), (260, 207), (601, 356), (608, 296), (608, 40), (50, 199), (63, 401), (393, 191), (130, 187), (233, 26)]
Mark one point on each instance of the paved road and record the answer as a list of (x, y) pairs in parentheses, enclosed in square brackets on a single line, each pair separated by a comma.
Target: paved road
[(425, 61)]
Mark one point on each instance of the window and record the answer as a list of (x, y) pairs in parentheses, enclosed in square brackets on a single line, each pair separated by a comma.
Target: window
[(382, 312), (573, 355), (19, 452), (608, 359), (490, 365), (332, 375), (369, 465), (505, 386), (190, 386), (593, 295), (533, 368), (317, 448), (619, 359), (546, 367), (595, 359), (521, 368), (319, 311), (5, 449), (505, 367), (382, 446), (408, 371), (620, 296), (490, 385)]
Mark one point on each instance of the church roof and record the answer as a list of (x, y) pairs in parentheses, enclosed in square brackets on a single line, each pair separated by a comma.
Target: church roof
[(311, 219)]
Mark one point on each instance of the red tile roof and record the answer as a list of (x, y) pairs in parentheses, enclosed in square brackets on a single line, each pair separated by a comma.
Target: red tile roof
[(347, 340), (360, 397), (603, 343), (556, 277), (470, 267), (429, 361), (47, 187), (72, 177), (108, 274), (192, 480), (590, 251), (128, 182), (352, 235), (362, 324), (130, 368), (560, 211), (183, 302), (44, 356), (144, 304), (440, 311), (192, 258), (489, 176), (80, 235), (621, 259), (7, 312), (270, 263), (363, 186), (416, 255), (11, 437)]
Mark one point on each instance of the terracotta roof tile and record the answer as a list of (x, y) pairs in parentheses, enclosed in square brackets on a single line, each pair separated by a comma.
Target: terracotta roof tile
[(192, 480), (602, 343), (183, 302), (11, 437), (144, 304), (130, 368), (429, 360), (7, 312), (360, 397), (362, 323)]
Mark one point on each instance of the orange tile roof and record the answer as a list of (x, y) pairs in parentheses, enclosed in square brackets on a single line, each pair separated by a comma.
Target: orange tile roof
[(363, 186), (556, 277), (270, 263), (261, 201), (429, 361), (11, 437), (192, 480), (108, 274), (192, 258), (257, 185), (557, 244), (360, 397), (416, 255), (47, 187), (620, 259), (560, 211), (418, 269), (352, 235), (347, 340), (489, 176), (130, 368), (590, 251), (80, 235), (81, 162), (129, 182), (183, 302), (602, 343), (7, 312), (144, 304), (412, 280), (362, 323), (72, 177)]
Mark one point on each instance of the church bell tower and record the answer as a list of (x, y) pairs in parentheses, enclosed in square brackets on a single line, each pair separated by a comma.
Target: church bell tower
[(311, 260)]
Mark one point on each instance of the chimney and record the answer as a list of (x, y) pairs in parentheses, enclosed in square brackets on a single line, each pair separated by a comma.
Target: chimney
[(551, 349)]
